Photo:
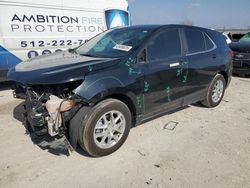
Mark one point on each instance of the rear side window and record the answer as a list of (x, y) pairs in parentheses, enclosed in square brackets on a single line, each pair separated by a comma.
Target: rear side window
[(195, 41), (209, 43), (165, 45)]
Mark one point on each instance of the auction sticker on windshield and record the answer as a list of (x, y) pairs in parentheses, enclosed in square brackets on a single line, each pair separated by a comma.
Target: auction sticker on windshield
[(122, 47)]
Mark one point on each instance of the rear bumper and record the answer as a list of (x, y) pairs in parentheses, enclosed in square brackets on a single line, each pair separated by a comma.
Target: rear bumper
[(241, 71), (241, 66), (3, 75)]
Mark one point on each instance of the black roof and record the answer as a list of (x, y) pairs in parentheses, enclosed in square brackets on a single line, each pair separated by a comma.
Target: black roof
[(156, 27), (152, 26)]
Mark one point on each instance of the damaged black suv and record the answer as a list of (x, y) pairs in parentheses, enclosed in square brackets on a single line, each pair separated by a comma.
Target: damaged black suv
[(95, 93)]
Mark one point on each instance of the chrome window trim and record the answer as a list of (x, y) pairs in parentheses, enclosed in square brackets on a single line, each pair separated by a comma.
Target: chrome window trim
[(205, 51)]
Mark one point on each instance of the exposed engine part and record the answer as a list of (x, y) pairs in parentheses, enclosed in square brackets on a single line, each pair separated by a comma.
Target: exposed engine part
[(61, 90), (68, 115), (36, 113), (55, 106), (50, 107), (19, 91)]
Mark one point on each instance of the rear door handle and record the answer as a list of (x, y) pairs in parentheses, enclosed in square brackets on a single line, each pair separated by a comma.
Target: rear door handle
[(214, 56), (174, 64)]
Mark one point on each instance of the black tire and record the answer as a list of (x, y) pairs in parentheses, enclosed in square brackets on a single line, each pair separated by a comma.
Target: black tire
[(208, 102), (74, 125), (87, 127)]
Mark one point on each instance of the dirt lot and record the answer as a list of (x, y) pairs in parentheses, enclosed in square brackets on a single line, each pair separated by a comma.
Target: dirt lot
[(208, 148)]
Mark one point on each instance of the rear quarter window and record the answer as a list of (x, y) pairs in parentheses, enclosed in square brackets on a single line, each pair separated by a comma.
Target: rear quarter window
[(219, 40), (195, 41), (208, 42)]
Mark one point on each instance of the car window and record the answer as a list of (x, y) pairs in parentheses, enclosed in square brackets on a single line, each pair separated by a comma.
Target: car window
[(195, 41), (209, 43), (245, 38), (165, 45), (115, 42)]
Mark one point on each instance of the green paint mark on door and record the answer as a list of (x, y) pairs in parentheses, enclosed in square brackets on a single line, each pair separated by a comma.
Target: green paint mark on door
[(184, 79), (90, 68), (132, 71), (168, 90), (139, 101), (146, 87)]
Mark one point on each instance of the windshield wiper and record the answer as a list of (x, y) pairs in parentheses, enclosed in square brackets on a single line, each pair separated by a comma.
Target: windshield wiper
[(91, 55), (88, 55)]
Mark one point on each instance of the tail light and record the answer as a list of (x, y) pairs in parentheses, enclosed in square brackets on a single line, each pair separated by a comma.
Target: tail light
[(231, 54)]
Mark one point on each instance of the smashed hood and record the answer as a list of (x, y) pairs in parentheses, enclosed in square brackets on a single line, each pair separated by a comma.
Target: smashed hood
[(59, 67)]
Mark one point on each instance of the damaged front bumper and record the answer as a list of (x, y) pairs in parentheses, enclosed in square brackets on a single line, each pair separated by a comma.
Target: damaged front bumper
[(48, 116)]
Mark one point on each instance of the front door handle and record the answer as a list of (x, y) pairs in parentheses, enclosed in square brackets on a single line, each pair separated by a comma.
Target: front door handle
[(174, 64)]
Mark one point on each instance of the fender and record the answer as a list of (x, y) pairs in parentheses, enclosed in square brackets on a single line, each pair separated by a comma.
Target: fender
[(93, 91)]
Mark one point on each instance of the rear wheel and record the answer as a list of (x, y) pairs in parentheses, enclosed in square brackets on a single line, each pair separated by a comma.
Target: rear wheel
[(215, 91), (105, 128)]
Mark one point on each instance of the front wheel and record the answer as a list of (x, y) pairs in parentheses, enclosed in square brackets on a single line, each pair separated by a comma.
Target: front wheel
[(215, 92), (105, 128)]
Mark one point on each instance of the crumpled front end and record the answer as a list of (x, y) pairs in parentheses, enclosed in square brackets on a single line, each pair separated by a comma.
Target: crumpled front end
[(49, 108), (47, 83)]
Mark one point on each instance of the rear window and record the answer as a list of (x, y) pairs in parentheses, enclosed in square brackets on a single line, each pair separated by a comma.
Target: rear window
[(195, 41), (245, 38)]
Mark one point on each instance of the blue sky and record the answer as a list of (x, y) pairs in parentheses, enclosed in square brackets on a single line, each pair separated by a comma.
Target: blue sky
[(206, 13)]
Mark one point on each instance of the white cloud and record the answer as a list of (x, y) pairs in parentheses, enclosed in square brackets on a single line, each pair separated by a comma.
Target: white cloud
[(193, 5)]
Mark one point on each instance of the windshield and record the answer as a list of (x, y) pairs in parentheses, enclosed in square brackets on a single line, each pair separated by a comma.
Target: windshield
[(245, 38), (114, 43)]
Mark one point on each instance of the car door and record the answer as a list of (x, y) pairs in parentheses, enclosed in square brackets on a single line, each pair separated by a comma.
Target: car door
[(166, 72), (202, 58)]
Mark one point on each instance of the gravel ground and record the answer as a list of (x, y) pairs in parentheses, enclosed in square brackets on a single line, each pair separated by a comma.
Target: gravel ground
[(207, 148)]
